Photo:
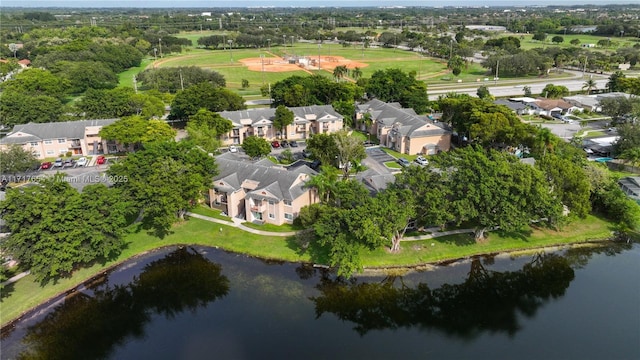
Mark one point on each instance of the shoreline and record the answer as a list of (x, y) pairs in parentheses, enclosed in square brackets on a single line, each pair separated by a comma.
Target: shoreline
[(367, 270)]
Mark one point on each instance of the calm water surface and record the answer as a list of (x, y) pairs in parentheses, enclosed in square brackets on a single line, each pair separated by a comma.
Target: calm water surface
[(202, 303)]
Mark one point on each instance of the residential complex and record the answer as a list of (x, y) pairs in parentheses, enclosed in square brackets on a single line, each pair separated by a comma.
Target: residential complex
[(402, 130), (260, 192), (307, 120), (55, 139)]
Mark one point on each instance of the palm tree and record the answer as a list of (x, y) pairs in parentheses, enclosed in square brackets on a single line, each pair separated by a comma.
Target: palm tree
[(356, 73), (324, 182), (340, 71), (589, 85), (545, 140)]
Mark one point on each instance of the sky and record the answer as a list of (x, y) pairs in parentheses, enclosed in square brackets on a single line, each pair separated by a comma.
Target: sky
[(289, 3)]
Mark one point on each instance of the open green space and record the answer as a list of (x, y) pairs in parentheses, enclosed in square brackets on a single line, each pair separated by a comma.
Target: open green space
[(527, 42), (126, 77), (26, 293)]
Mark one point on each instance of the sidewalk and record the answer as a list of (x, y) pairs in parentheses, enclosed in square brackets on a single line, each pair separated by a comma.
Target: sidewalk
[(434, 232)]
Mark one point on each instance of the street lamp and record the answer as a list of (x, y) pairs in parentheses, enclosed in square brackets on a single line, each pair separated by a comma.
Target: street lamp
[(230, 51), (284, 40), (160, 46), (155, 53), (319, 68), (269, 42)]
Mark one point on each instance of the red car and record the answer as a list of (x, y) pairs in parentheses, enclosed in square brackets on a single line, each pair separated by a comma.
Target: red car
[(46, 165), (275, 144), (101, 160)]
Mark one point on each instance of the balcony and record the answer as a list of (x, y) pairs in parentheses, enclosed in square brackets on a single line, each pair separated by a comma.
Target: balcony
[(75, 144), (260, 207)]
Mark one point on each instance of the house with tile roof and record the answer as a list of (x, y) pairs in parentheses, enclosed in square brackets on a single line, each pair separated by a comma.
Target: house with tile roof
[(402, 130), (260, 192), (307, 120), (46, 140)]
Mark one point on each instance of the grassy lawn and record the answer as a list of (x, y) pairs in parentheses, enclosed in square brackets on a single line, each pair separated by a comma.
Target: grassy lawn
[(206, 211), (26, 293), (527, 42), (399, 155), (463, 245), (392, 165), (126, 77), (272, 227)]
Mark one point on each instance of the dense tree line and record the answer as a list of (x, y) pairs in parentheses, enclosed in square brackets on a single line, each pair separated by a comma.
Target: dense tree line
[(178, 78)]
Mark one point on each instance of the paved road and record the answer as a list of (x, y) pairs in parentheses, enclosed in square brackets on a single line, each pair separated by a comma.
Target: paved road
[(514, 87)]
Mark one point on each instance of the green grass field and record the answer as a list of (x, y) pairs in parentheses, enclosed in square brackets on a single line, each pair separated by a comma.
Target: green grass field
[(26, 293), (527, 42)]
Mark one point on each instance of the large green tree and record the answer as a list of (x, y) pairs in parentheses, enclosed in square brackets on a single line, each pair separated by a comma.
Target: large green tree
[(256, 146), (568, 182), (165, 179), (204, 96), (205, 129), (349, 150), (118, 102), (134, 131), (54, 229), (394, 85), (283, 118), (173, 79), (16, 159), (493, 189)]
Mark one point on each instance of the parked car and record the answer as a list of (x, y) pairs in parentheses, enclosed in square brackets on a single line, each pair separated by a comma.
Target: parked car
[(81, 162), (284, 144), (101, 160), (58, 162), (422, 161), (68, 163), (275, 144), (293, 143), (306, 153), (46, 165), (233, 149), (403, 162)]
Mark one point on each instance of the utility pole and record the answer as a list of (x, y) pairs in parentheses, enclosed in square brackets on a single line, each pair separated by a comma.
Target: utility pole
[(319, 68), (497, 67), (450, 48), (262, 61), (230, 51), (181, 81), (269, 42), (584, 67), (160, 46)]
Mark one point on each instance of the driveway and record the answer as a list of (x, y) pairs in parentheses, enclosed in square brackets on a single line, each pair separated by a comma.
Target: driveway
[(375, 160)]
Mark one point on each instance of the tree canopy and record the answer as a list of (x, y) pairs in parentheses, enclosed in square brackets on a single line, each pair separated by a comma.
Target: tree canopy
[(55, 229), (134, 130), (394, 85), (173, 79), (204, 96), (256, 146), (165, 179)]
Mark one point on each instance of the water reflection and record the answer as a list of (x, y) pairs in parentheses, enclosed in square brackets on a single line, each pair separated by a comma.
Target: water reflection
[(90, 325), (486, 301)]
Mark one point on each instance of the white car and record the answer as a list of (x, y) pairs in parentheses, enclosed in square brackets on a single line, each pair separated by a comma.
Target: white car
[(421, 160), (233, 148), (82, 161)]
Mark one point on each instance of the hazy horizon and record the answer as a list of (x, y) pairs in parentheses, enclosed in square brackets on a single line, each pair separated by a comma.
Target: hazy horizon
[(296, 4)]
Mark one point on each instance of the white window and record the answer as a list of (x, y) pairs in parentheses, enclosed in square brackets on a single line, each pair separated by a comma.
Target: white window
[(287, 202), (62, 151), (36, 154), (48, 142), (50, 152), (288, 216), (62, 141), (33, 143), (272, 216)]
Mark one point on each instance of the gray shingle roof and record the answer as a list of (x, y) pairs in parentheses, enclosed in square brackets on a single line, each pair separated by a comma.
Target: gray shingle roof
[(300, 114), (410, 122), (274, 180), (53, 130)]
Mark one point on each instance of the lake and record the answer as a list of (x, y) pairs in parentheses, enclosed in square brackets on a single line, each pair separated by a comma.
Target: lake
[(203, 303)]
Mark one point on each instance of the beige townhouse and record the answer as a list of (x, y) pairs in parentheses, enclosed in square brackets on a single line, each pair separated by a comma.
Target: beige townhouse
[(402, 130), (260, 192), (48, 140), (307, 120)]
